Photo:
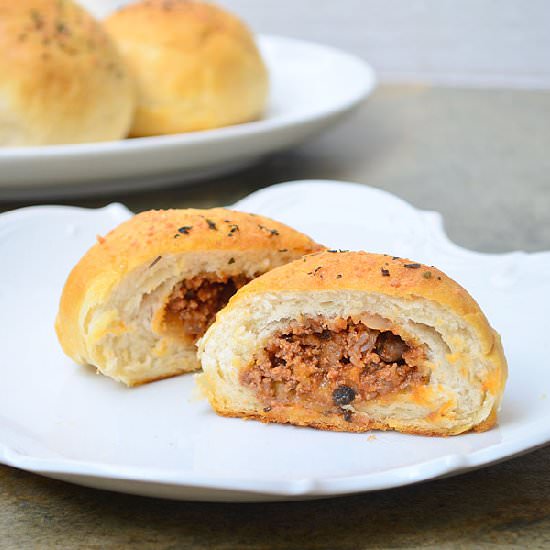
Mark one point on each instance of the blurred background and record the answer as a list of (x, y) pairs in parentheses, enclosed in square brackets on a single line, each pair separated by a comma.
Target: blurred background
[(450, 42), (459, 121)]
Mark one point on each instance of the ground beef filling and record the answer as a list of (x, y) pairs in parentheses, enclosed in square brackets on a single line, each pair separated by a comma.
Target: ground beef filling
[(333, 363), (197, 300)]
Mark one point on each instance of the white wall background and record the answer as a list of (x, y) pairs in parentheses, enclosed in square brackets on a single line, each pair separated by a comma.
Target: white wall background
[(503, 43)]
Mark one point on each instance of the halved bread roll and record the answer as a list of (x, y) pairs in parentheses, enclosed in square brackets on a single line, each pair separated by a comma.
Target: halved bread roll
[(138, 300), (352, 341)]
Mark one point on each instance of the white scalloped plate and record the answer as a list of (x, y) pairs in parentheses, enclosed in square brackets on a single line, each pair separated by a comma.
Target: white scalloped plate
[(311, 88), (63, 421)]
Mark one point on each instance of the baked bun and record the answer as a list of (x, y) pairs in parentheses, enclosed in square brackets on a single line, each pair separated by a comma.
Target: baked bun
[(196, 65), (62, 79), (351, 341), (137, 301)]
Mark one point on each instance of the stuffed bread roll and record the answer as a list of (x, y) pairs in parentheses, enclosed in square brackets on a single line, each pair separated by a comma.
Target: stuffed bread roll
[(138, 300), (352, 341)]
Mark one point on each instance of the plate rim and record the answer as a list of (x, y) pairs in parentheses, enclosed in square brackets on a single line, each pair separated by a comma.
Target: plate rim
[(299, 487)]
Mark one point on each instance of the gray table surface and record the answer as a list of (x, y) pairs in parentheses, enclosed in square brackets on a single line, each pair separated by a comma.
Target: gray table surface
[(482, 159)]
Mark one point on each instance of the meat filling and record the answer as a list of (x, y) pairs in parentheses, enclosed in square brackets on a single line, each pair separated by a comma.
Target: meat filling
[(333, 363), (197, 300)]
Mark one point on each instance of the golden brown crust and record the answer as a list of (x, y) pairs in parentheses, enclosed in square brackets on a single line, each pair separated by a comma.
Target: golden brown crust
[(180, 23), (389, 275), (336, 423), (52, 49), (148, 235), (197, 65), (488, 423)]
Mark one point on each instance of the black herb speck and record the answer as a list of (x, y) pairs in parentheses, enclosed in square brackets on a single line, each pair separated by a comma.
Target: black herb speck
[(343, 395), (439, 278), (287, 337), (385, 272), (267, 409), (231, 261), (37, 19), (339, 276), (315, 270), (211, 225), (234, 228), (177, 236), (412, 266), (395, 258), (270, 231), (427, 274), (332, 251), (185, 229), (155, 261), (283, 250), (325, 335), (347, 415)]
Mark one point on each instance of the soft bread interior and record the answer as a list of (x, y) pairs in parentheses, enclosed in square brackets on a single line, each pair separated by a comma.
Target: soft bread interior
[(133, 338), (454, 398)]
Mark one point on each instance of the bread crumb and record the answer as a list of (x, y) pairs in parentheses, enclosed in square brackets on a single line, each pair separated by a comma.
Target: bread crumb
[(198, 393)]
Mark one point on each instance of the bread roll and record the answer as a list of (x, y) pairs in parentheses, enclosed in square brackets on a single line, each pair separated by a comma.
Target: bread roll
[(197, 66), (351, 341), (62, 80), (137, 301)]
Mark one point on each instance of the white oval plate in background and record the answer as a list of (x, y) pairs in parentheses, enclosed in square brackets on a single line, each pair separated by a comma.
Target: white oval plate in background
[(64, 421), (311, 88)]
